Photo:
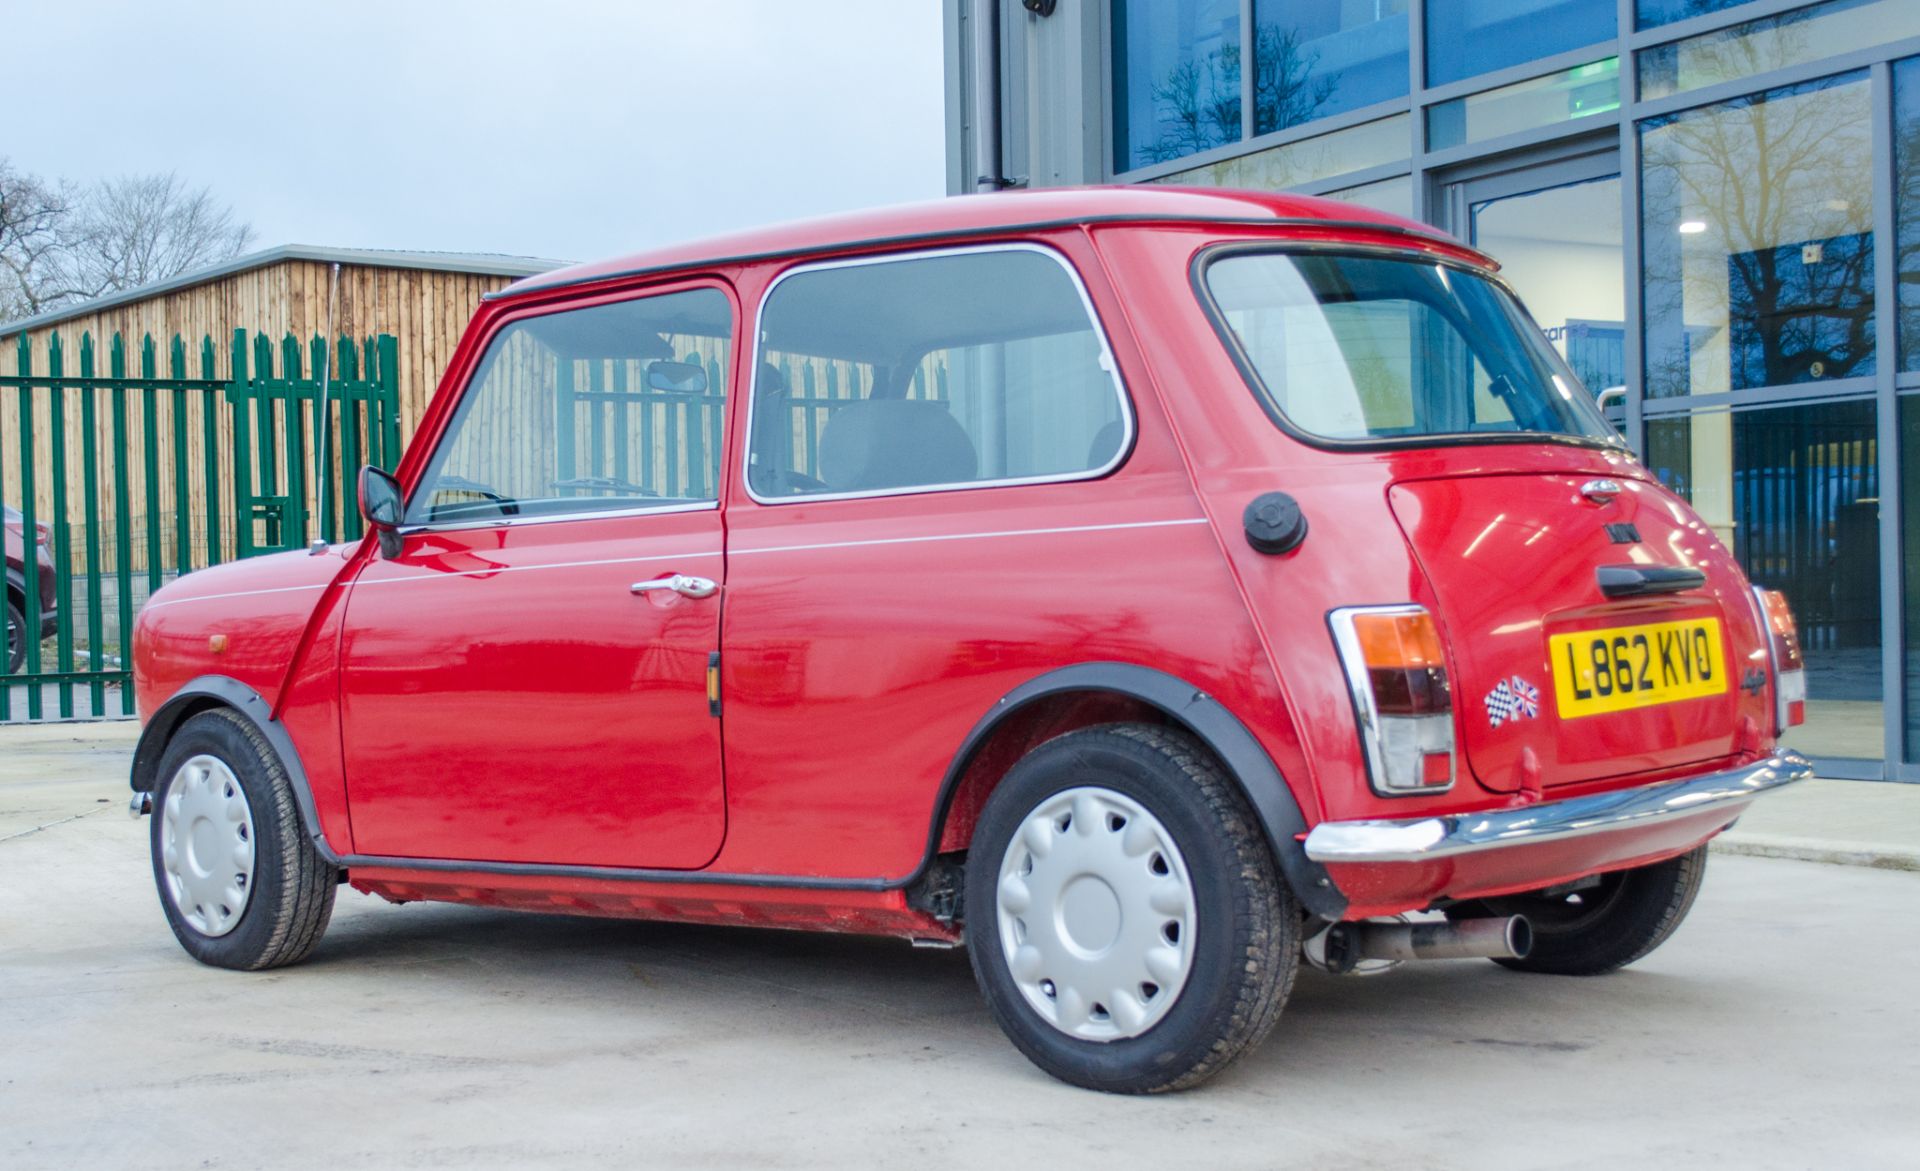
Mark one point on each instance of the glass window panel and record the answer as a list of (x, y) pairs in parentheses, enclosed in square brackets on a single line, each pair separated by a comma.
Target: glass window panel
[(1906, 172), (1362, 347), (608, 408), (1580, 92), (1757, 241), (931, 371), (1176, 79), (1371, 144), (1394, 196), (1654, 13), (1792, 38), (1560, 249), (1312, 58), (1469, 37), (1795, 493), (1910, 562)]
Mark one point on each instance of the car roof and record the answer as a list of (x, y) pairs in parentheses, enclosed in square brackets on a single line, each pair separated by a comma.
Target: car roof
[(974, 214)]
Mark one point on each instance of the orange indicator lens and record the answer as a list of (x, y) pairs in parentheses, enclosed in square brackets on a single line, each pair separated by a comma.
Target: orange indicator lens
[(1405, 663)]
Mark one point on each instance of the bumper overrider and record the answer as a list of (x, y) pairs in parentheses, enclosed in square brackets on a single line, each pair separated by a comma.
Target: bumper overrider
[(1377, 863)]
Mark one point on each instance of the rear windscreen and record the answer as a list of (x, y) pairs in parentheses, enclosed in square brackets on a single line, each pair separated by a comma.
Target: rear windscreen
[(1351, 347)]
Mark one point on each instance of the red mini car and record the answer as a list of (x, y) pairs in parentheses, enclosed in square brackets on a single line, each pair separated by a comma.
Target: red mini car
[(1143, 587)]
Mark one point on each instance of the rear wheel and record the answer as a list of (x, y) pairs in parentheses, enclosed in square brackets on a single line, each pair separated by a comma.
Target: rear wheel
[(241, 883), (1603, 927), (1125, 919)]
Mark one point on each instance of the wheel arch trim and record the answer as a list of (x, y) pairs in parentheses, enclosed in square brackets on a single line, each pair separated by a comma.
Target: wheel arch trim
[(1198, 713), (210, 691)]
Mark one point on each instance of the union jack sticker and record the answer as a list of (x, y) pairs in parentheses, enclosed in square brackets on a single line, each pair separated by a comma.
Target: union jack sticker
[(1511, 700)]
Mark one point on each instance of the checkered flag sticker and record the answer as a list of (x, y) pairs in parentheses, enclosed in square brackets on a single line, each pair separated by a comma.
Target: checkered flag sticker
[(1511, 700)]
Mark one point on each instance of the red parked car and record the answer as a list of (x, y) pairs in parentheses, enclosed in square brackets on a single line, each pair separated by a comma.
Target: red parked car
[(13, 532), (1143, 587)]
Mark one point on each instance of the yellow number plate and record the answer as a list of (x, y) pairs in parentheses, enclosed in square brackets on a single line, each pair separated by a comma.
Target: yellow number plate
[(1624, 667)]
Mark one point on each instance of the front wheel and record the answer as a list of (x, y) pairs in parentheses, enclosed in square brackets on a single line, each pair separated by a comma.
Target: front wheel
[(1605, 926), (1126, 921), (240, 882)]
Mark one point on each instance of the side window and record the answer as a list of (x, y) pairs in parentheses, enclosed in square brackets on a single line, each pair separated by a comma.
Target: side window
[(609, 408), (937, 370)]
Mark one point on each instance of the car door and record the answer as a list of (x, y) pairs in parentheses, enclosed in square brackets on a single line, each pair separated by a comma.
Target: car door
[(527, 680), (935, 512)]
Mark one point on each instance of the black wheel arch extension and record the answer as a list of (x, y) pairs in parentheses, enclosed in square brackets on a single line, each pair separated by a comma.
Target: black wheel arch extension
[(1207, 720), (221, 691), (1186, 706)]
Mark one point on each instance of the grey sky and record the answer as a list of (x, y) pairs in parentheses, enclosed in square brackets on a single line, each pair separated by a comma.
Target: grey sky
[(563, 128)]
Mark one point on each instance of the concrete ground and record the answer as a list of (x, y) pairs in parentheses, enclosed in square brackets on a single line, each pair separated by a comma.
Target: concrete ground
[(1778, 1029)]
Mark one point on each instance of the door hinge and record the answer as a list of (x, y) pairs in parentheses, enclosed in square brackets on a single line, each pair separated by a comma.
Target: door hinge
[(713, 684)]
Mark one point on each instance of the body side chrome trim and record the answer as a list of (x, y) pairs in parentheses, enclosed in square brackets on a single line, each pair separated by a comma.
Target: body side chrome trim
[(161, 603), (1424, 839), (442, 575), (1139, 524)]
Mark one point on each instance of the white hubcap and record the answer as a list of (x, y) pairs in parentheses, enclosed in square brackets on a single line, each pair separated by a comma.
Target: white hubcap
[(1096, 917), (206, 845)]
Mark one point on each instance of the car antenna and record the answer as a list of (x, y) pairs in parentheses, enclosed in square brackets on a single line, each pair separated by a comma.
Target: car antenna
[(319, 545)]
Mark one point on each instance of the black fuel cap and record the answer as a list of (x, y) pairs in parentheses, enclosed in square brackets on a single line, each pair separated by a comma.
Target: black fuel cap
[(1274, 523)]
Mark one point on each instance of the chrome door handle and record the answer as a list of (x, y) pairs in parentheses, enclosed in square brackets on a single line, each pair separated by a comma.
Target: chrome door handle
[(686, 585)]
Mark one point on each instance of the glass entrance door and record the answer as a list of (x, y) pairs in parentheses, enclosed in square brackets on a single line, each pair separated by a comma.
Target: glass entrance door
[(1555, 229)]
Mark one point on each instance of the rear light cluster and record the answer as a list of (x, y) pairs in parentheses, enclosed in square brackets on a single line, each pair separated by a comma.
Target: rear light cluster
[(1789, 667), (1397, 672)]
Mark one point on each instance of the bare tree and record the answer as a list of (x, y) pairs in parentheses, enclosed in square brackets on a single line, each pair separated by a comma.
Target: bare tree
[(1198, 100), (33, 219), (139, 229), (60, 244)]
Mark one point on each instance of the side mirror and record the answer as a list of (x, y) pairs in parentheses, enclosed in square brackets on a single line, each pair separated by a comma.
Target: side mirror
[(381, 505)]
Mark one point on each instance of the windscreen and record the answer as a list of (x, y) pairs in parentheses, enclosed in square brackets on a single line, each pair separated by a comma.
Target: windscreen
[(1352, 347)]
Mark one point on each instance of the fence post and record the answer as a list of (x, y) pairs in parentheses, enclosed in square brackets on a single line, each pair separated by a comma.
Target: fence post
[(122, 514), (389, 354), (293, 505), (62, 552), (239, 395), (210, 440), (150, 461), (30, 536), (182, 495), (90, 464)]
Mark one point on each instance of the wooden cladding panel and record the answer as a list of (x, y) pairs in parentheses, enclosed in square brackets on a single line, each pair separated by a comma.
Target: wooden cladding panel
[(426, 309)]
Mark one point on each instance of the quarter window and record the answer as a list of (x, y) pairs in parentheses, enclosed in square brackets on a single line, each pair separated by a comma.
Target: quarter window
[(610, 408), (931, 371)]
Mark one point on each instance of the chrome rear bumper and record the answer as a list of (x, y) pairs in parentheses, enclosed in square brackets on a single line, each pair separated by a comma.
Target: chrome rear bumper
[(1422, 839)]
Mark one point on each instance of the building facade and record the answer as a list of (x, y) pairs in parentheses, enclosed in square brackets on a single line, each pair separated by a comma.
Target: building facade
[(1712, 205)]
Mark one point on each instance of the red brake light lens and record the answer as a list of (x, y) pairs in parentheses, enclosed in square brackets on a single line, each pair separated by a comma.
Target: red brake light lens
[(1397, 671), (1782, 628), (1789, 665), (1405, 663)]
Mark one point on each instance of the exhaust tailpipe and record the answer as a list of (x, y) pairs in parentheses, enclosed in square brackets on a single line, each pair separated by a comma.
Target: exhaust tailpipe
[(1510, 937)]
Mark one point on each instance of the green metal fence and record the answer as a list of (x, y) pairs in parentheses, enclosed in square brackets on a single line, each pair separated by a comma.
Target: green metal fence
[(124, 477)]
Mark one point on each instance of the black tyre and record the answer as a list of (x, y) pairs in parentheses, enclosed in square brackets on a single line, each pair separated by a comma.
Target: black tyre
[(1125, 917), (240, 882), (16, 637), (1603, 927)]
